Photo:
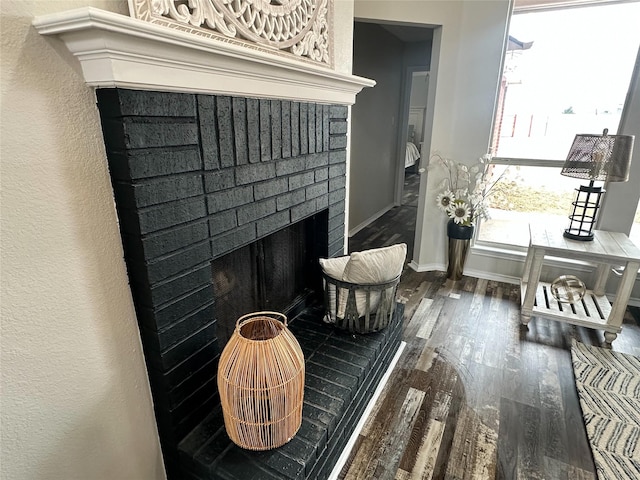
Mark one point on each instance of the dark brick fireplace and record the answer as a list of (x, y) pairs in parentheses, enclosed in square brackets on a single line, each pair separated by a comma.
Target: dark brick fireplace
[(197, 178)]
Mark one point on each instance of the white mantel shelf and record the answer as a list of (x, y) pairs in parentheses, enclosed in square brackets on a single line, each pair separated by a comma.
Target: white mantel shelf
[(118, 51)]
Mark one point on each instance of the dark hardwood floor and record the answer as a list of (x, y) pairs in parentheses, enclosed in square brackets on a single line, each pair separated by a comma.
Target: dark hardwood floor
[(395, 226), (475, 395)]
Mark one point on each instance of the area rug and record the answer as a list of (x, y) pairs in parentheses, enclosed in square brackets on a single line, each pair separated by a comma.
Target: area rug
[(608, 385)]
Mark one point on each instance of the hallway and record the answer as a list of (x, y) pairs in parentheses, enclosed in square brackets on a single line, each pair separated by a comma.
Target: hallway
[(395, 226)]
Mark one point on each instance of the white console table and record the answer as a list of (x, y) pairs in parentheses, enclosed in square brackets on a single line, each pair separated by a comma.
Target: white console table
[(594, 310)]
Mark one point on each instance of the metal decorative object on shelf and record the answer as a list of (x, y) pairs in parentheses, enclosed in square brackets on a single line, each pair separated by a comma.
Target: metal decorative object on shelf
[(297, 27), (568, 289), (261, 382)]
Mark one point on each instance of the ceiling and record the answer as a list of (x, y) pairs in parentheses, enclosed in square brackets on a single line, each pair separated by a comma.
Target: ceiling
[(530, 5), (409, 34)]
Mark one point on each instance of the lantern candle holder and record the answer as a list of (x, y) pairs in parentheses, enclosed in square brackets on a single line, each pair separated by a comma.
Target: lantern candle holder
[(261, 382)]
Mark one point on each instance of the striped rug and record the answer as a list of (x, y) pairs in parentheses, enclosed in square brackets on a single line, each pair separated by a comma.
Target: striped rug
[(608, 384)]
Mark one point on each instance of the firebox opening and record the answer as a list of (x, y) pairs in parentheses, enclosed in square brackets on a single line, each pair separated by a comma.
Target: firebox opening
[(279, 273)]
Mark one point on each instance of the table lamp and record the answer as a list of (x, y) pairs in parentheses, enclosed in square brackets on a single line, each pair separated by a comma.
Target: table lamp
[(603, 158)]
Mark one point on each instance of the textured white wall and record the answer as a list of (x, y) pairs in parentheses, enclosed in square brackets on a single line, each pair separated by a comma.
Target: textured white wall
[(75, 396), (343, 35)]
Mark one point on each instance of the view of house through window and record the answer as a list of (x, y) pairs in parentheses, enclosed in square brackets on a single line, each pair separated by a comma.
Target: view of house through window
[(566, 71)]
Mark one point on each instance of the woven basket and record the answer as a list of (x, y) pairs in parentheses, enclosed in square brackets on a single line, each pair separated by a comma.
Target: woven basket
[(371, 319), (261, 382)]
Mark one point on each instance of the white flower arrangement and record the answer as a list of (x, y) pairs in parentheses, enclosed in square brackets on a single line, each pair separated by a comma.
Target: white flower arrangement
[(464, 191)]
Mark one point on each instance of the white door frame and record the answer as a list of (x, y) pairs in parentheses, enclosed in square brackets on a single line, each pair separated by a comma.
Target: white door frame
[(403, 129)]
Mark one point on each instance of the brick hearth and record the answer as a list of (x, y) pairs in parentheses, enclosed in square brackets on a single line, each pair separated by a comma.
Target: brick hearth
[(342, 372)]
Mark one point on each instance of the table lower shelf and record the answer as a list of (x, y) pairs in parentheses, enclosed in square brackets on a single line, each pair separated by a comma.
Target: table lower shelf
[(592, 311)]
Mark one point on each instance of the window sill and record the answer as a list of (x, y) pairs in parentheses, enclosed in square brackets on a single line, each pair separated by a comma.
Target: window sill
[(519, 254)]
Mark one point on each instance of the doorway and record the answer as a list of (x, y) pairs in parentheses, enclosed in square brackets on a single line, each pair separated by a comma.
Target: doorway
[(379, 132), (411, 129)]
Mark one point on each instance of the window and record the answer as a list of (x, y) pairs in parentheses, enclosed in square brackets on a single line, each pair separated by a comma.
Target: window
[(635, 228), (527, 194), (566, 71)]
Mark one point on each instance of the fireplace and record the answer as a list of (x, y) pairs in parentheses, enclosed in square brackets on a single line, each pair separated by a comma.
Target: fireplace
[(214, 151), (225, 205)]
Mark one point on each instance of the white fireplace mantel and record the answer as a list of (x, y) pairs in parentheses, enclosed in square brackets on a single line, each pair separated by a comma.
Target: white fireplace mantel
[(118, 51)]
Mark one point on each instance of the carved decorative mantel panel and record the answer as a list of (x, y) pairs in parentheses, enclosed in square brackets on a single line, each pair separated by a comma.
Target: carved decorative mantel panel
[(296, 27)]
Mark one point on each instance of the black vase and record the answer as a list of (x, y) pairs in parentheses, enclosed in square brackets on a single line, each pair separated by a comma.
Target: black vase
[(459, 240)]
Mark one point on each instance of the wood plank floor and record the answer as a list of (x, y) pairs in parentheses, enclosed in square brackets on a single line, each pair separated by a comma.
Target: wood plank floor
[(475, 395)]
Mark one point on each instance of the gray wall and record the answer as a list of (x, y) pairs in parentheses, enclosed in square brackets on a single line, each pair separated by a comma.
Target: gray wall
[(417, 58), (377, 55), (418, 91), (417, 54)]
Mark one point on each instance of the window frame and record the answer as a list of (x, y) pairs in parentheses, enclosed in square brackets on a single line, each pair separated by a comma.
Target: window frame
[(623, 128)]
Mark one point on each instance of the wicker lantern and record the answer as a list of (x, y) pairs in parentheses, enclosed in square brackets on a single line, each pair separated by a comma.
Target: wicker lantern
[(261, 382)]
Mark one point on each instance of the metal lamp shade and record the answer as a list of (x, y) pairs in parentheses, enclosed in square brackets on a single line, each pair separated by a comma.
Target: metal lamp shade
[(599, 157)]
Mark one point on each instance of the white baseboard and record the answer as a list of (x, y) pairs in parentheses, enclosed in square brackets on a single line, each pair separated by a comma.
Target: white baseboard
[(635, 302), (491, 276), (370, 220), (431, 267), (428, 267), (438, 267), (354, 436)]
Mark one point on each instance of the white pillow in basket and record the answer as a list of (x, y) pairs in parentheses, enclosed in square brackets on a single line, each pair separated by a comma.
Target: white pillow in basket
[(378, 265), (334, 267)]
